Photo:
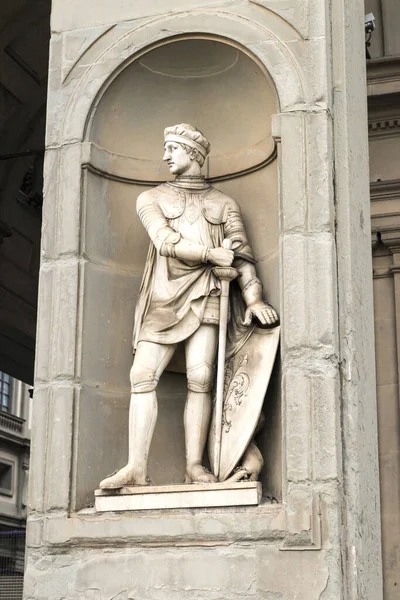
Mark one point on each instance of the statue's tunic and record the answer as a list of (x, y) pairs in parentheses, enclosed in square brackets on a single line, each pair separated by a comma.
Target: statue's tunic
[(177, 295)]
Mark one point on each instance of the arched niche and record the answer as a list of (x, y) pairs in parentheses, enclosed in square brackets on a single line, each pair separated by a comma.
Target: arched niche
[(229, 96), (197, 80)]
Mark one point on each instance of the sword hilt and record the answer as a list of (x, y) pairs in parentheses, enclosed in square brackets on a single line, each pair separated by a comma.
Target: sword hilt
[(226, 273)]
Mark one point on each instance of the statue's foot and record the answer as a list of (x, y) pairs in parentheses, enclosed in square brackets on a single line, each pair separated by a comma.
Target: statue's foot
[(242, 474), (252, 463), (125, 476), (199, 474)]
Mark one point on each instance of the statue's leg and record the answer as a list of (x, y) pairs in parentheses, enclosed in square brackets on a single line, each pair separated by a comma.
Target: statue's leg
[(149, 363), (201, 349)]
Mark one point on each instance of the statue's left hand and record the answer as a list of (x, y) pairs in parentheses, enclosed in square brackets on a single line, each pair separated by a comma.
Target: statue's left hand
[(263, 312)]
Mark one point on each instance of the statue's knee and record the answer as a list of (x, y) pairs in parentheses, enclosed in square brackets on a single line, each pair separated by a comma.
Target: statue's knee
[(143, 379), (200, 378)]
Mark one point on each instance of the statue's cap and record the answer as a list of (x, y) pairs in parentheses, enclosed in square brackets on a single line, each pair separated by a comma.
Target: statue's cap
[(189, 135)]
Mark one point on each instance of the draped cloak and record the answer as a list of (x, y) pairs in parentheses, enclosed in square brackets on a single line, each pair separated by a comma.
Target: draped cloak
[(176, 295)]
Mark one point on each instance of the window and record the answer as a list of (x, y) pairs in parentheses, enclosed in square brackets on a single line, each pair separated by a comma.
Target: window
[(5, 392), (6, 478)]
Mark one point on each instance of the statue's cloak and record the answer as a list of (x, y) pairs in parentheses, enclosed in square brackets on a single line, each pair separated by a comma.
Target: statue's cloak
[(174, 294)]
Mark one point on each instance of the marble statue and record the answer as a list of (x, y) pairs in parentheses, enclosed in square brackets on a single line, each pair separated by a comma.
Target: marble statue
[(194, 230)]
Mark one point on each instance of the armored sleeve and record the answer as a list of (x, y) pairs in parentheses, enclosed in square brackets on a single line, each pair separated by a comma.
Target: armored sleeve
[(244, 262), (235, 231)]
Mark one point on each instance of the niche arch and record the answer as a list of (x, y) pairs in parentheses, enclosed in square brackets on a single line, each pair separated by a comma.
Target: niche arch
[(263, 35), (230, 97)]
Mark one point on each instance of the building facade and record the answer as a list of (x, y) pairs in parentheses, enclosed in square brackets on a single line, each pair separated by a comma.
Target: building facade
[(383, 78), (15, 407)]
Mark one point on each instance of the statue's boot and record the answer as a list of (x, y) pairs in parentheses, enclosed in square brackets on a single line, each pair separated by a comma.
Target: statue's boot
[(122, 478), (253, 461), (199, 474), (251, 465)]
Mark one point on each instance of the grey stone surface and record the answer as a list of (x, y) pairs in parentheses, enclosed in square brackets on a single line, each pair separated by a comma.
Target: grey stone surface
[(178, 496), (357, 357)]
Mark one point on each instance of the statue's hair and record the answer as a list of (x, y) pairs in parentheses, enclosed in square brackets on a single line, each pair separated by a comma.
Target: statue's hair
[(191, 133)]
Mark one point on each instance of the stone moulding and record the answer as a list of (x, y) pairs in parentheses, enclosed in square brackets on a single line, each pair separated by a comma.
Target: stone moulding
[(307, 539), (120, 168), (208, 526), (181, 526), (383, 75), (73, 58), (385, 190), (294, 13)]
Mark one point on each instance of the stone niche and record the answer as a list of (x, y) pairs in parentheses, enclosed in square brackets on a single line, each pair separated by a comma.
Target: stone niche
[(230, 97)]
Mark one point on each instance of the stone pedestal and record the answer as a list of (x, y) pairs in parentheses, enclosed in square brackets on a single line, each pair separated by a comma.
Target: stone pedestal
[(179, 496), (279, 89)]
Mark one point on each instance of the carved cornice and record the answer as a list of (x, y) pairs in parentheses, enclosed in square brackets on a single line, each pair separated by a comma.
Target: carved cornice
[(382, 272), (385, 190), (391, 238), (383, 76), (384, 127)]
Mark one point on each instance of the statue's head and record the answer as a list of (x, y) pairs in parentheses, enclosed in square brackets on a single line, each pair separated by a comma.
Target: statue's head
[(184, 145)]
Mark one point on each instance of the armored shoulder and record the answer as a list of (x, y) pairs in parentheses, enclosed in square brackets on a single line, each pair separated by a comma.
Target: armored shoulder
[(223, 200), (147, 198), (217, 206), (163, 199)]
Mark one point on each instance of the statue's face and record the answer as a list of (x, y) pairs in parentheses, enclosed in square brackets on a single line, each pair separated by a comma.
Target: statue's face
[(177, 158)]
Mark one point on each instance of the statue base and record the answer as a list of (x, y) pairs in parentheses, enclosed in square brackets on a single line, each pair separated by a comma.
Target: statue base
[(196, 495)]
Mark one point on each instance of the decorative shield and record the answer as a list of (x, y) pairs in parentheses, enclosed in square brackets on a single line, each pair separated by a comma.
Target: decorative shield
[(247, 376)]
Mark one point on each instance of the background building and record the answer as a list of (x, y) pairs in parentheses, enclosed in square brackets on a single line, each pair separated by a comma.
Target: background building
[(383, 76), (15, 407)]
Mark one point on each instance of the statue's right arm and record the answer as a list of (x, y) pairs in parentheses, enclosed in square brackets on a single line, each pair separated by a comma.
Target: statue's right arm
[(167, 241)]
